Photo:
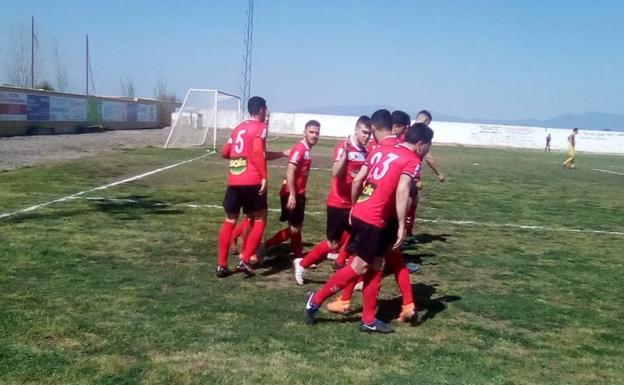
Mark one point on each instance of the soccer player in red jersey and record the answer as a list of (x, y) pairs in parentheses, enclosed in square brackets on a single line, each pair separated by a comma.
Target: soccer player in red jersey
[(292, 194), (349, 156), (378, 220), (247, 184), (394, 259), (424, 117)]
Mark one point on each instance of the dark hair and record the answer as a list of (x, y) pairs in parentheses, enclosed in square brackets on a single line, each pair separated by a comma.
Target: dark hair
[(418, 132), (314, 123), (365, 120), (426, 113), (575, 130), (382, 119), (400, 118), (255, 104)]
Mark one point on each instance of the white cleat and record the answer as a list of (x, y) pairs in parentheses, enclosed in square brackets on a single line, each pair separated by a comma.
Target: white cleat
[(299, 271), (359, 286)]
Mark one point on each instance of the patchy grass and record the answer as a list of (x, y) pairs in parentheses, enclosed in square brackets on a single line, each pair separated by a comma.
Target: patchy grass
[(122, 291)]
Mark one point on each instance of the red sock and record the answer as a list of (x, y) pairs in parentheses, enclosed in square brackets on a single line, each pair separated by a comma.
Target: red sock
[(402, 276), (296, 244), (343, 255), (316, 255), (254, 239), (225, 235), (246, 235), (336, 282), (410, 219), (347, 292), (279, 237), (240, 229), (370, 293)]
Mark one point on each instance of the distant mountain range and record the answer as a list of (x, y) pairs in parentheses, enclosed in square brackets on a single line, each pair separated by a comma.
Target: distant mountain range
[(586, 121)]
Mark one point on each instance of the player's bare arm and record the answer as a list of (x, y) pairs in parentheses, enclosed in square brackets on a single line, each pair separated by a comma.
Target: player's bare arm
[(290, 181), (402, 197), (434, 167), (356, 187), (273, 155), (340, 165)]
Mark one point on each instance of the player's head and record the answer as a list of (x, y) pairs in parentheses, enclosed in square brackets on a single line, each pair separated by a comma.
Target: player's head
[(363, 130), (381, 121), (400, 122), (419, 135), (575, 130), (311, 132), (257, 108), (424, 116)]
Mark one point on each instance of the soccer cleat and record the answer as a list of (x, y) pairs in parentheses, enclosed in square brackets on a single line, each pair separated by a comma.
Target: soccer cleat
[(311, 310), (359, 286), (222, 272), (407, 313), (377, 326), (299, 271), (339, 306), (245, 268)]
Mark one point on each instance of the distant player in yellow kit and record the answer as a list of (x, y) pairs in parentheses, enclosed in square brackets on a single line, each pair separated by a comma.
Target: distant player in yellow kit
[(569, 163)]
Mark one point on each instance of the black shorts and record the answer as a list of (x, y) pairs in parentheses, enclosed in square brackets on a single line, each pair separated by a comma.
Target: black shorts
[(413, 191), (245, 197), (368, 241), (295, 216), (337, 223)]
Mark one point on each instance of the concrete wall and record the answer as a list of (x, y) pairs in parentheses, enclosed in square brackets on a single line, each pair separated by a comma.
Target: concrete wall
[(465, 133), (25, 112)]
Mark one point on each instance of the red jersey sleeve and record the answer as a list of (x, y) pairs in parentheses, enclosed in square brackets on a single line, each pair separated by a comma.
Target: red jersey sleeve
[(338, 151), (257, 156), (412, 168), (296, 155), (225, 150)]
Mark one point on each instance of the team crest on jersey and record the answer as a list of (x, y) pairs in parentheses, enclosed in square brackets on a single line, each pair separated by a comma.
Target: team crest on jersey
[(238, 166), (367, 192)]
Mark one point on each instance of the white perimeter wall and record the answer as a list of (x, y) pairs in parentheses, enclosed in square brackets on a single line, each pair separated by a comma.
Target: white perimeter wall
[(464, 133)]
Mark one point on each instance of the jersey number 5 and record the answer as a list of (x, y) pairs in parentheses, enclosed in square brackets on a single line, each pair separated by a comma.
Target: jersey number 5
[(239, 144)]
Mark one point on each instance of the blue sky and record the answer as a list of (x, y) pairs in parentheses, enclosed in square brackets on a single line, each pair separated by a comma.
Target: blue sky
[(487, 59)]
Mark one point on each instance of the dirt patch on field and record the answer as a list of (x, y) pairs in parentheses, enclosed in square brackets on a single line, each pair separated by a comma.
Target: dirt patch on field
[(20, 151)]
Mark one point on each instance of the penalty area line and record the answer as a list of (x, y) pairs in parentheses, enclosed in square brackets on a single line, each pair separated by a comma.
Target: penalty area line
[(103, 187)]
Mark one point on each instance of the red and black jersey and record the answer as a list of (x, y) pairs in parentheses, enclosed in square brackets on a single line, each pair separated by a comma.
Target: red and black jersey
[(340, 191), (300, 157), (247, 167), (376, 204)]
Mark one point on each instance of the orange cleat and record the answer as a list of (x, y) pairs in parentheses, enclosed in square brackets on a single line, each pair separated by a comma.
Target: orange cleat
[(339, 306), (407, 313)]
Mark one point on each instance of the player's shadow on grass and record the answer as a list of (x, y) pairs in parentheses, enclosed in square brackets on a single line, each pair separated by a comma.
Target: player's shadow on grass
[(133, 206), (425, 238), (428, 306), (278, 259)]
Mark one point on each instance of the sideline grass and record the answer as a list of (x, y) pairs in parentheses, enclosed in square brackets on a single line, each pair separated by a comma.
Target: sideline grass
[(120, 292)]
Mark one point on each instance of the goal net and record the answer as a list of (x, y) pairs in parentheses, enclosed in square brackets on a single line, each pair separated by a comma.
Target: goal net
[(205, 117)]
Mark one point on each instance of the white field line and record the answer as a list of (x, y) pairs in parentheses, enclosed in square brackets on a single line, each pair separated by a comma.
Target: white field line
[(424, 220), (104, 187), (277, 166), (608, 172)]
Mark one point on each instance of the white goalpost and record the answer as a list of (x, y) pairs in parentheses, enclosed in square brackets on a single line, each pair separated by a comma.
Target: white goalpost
[(202, 115)]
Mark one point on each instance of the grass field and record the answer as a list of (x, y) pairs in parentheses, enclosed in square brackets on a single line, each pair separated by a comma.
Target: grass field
[(120, 288)]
